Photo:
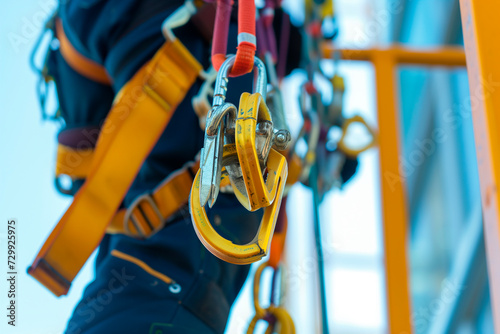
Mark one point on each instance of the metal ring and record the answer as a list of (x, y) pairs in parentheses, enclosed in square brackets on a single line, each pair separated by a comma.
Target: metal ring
[(175, 288)]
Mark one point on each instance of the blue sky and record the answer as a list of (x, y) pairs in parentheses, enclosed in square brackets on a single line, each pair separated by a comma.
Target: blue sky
[(26, 173)]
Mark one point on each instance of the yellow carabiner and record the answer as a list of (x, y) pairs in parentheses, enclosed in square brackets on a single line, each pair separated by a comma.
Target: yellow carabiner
[(282, 317), (259, 246), (350, 152), (284, 320), (259, 193)]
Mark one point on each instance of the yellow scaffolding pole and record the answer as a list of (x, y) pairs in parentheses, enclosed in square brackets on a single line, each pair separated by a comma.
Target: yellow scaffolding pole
[(392, 183), (445, 56), (481, 33)]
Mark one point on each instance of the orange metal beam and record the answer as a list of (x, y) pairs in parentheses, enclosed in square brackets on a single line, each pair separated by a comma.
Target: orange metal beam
[(481, 33), (445, 56), (393, 190)]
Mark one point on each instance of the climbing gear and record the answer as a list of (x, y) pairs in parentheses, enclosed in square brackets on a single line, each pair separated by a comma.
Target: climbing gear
[(354, 152), (309, 173), (274, 314), (251, 188), (268, 52), (44, 78), (246, 153), (200, 102), (141, 111), (313, 183), (247, 43), (223, 248), (149, 212), (274, 101), (210, 162), (310, 101), (211, 153), (334, 109), (334, 165), (86, 67), (73, 163), (321, 167), (315, 10)]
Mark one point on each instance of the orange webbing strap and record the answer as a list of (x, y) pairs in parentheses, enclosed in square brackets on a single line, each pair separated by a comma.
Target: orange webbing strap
[(73, 162), (278, 241), (140, 114), (81, 64), (294, 169), (149, 212)]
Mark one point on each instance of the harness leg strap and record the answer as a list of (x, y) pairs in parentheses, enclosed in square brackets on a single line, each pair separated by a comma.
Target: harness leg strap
[(141, 112)]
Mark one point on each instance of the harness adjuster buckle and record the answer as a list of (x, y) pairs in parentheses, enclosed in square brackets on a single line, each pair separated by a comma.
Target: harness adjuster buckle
[(134, 210)]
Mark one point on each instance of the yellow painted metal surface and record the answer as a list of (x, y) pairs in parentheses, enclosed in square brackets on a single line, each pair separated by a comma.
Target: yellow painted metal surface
[(259, 193), (392, 186), (223, 248), (481, 33), (392, 182), (444, 56)]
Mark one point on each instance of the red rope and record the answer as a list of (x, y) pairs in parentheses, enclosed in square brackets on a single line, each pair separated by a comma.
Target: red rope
[(246, 34)]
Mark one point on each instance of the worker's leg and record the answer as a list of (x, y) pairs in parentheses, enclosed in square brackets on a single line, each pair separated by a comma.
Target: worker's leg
[(133, 291)]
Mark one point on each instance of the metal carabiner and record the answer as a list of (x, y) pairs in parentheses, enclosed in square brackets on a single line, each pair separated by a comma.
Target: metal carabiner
[(310, 131), (210, 163), (270, 313), (351, 152), (211, 153), (258, 190), (253, 149), (244, 157), (223, 248), (282, 136), (256, 187)]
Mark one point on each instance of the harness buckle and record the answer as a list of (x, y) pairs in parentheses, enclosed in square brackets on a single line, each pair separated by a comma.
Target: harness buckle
[(200, 102), (134, 214), (177, 19)]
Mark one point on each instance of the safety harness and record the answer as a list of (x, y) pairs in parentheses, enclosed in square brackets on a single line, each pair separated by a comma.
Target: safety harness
[(140, 113)]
